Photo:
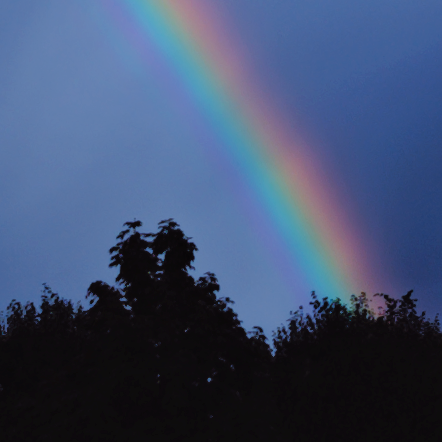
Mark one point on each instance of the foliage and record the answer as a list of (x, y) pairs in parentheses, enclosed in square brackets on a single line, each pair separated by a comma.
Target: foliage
[(159, 354)]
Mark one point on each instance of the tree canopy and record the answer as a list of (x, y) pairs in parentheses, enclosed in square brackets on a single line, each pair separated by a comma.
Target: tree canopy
[(159, 356)]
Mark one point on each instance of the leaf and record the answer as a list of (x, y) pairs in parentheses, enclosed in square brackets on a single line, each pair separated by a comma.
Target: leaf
[(123, 234)]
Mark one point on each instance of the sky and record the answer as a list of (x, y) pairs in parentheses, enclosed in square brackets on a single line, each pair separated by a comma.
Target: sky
[(92, 135)]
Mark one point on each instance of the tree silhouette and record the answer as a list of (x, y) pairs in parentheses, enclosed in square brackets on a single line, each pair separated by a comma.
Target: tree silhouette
[(345, 362), (159, 356)]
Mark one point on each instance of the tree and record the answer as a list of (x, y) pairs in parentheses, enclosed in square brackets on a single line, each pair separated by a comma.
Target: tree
[(344, 362), (206, 364)]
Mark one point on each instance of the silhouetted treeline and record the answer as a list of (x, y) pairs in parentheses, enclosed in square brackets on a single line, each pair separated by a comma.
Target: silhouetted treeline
[(159, 357)]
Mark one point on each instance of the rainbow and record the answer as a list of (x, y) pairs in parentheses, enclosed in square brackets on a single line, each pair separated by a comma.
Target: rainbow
[(185, 41)]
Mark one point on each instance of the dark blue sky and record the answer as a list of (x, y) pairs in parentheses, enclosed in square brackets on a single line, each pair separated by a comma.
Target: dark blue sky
[(88, 141)]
